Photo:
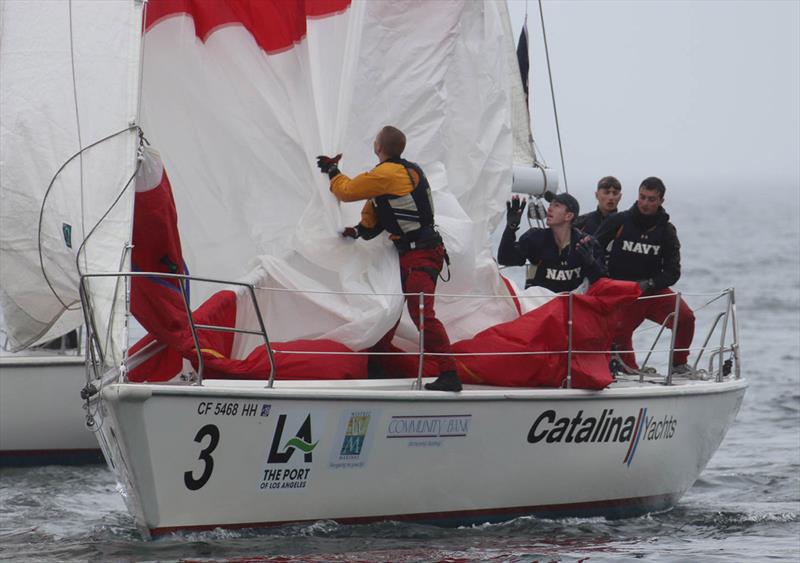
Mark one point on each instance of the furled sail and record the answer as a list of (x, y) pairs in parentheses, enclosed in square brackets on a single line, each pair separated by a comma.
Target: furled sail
[(239, 101), (69, 76)]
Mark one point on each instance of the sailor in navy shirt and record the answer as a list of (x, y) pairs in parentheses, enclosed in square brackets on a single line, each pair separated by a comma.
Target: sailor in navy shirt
[(562, 260), (645, 249), (608, 195)]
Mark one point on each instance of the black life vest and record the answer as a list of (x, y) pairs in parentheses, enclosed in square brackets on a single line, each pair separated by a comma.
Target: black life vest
[(636, 251), (410, 216)]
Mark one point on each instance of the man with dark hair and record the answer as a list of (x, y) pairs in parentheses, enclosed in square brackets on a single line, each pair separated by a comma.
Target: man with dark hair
[(645, 249), (399, 201), (608, 194), (562, 254)]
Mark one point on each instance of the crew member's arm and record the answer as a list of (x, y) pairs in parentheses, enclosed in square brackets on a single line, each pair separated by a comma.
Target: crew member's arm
[(670, 260), (608, 229), (508, 254), (368, 227), (384, 179), (514, 252), (591, 256)]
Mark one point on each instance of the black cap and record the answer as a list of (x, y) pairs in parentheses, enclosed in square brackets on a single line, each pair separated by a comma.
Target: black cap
[(564, 199)]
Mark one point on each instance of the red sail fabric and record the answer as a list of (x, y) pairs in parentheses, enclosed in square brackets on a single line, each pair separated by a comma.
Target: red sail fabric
[(545, 330), (158, 305), (276, 25)]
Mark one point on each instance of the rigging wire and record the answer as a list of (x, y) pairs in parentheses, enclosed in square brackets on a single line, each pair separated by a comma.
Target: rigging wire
[(77, 115), (86, 238), (553, 97)]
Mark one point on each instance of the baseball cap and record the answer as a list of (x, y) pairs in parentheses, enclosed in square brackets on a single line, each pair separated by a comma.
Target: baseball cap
[(564, 199)]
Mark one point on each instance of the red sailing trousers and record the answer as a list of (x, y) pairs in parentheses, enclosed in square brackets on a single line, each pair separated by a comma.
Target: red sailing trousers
[(632, 315), (419, 270)]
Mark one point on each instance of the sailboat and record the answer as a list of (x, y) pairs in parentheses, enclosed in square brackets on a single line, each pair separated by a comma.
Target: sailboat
[(37, 425), (185, 192)]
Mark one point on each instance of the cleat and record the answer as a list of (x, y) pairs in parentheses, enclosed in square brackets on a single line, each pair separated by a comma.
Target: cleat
[(447, 381)]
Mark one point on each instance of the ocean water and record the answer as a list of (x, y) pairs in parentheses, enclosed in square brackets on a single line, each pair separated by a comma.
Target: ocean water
[(744, 507)]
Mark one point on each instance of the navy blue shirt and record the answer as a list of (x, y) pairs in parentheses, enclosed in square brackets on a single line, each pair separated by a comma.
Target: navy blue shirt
[(558, 269), (590, 222), (644, 247)]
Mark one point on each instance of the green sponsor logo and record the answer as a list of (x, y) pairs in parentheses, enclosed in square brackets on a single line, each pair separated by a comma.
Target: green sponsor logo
[(66, 229)]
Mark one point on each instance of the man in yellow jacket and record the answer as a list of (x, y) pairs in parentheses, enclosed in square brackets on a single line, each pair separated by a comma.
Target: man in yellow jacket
[(399, 201)]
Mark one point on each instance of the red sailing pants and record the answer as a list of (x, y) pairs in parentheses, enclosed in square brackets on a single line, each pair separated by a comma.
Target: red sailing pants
[(656, 310), (419, 270)]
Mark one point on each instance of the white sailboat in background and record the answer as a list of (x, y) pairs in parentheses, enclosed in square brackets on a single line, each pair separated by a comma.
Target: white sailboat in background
[(48, 109), (39, 424), (239, 98)]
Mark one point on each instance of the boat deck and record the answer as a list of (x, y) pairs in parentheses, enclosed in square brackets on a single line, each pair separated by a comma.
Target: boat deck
[(405, 389)]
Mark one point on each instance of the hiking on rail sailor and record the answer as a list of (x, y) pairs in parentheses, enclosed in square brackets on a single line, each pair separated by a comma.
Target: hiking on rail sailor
[(646, 250), (608, 194), (564, 256), (399, 201)]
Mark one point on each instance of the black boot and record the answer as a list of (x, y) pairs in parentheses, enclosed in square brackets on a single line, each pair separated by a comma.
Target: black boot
[(447, 381), (375, 369)]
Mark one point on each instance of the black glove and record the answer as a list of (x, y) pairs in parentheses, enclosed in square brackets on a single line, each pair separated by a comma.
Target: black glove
[(583, 247), (327, 164), (514, 209), (350, 232), (645, 285)]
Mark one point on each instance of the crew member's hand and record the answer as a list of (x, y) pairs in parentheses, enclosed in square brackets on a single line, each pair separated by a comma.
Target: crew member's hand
[(514, 209), (327, 164), (350, 232), (645, 285), (584, 248)]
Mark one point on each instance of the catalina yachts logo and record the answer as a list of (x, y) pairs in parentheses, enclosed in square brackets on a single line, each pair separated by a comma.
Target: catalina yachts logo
[(607, 428)]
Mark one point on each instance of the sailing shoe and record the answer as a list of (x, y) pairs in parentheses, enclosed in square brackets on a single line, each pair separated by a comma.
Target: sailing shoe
[(685, 370), (447, 381)]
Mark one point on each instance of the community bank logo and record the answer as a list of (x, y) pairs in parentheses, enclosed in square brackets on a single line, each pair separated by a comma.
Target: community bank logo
[(428, 430), (353, 439), (607, 428), (291, 451)]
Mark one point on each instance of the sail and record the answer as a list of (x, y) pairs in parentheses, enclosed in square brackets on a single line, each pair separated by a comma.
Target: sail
[(240, 101), (70, 76)]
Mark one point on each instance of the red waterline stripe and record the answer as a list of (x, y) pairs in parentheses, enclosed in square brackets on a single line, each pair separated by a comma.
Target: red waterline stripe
[(656, 501)]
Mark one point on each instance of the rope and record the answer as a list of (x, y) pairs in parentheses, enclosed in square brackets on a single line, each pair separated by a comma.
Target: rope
[(553, 97)]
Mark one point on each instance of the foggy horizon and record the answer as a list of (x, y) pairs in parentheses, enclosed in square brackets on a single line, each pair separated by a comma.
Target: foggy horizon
[(702, 94)]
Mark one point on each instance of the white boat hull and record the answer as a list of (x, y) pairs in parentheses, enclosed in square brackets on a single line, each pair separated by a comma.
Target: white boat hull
[(41, 419), (222, 455)]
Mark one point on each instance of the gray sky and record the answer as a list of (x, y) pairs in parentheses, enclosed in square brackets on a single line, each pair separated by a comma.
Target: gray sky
[(703, 93)]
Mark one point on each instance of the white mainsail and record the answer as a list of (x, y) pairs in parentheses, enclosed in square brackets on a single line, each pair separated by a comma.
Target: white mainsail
[(69, 76)]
